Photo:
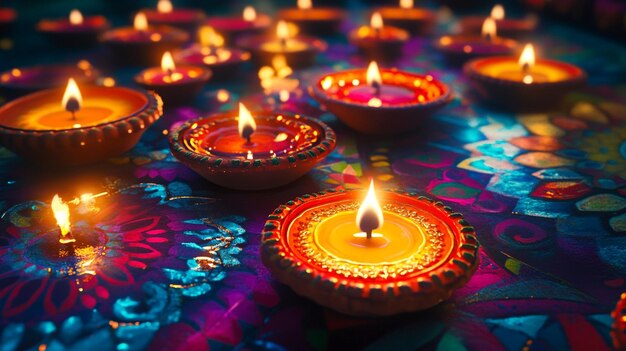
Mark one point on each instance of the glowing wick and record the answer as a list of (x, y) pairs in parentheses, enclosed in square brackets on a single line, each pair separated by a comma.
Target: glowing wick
[(165, 6), (373, 77), (72, 99), (370, 215), (247, 125), (76, 18), (61, 213), (497, 12), (249, 14), (489, 30), (140, 22)]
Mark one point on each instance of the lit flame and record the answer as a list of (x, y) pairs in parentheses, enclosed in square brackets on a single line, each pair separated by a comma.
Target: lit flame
[(305, 4), (165, 6), (406, 4), (76, 18), (282, 30), (249, 14), (489, 28), (376, 21), (167, 62), (497, 12), (61, 213), (209, 37), (72, 95), (527, 58), (141, 22), (247, 125), (373, 74), (370, 215)]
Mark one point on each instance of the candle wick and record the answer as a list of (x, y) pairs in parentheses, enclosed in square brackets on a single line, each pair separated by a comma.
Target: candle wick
[(526, 68), (488, 37), (283, 42), (368, 234), (72, 106), (376, 86), (247, 133)]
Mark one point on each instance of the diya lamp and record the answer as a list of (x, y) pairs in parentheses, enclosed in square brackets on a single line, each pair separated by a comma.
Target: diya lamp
[(460, 48), (379, 42), (61, 127), (251, 152), (143, 44), (7, 19), (277, 81), (369, 258), (165, 14), (314, 20), (175, 85), (524, 83), (507, 27), (298, 51), (75, 30), (233, 28), (415, 20), (210, 53), (374, 101), (618, 329), (25, 80)]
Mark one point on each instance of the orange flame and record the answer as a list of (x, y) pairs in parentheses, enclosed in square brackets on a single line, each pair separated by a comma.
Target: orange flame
[(527, 58), (165, 6), (76, 18), (249, 14), (72, 92), (497, 12), (406, 4), (61, 213), (305, 4), (370, 214), (167, 62), (376, 21), (140, 22), (245, 120), (489, 28), (373, 74)]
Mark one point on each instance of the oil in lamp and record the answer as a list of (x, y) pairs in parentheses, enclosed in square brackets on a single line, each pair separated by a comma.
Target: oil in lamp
[(233, 28), (224, 62), (379, 42), (374, 101), (298, 51), (165, 14), (143, 44), (314, 20), (524, 82), (366, 258), (507, 27), (75, 30), (175, 85), (246, 152), (460, 48), (415, 20), (75, 126)]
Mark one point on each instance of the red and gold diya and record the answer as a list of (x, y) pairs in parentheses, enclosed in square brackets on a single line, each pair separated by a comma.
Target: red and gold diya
[(379, 42), (175, 85), (77, 126), (143, 44), (384, 101), (460, 48), (314, 20), (7, 18), (415, 20), (165, 14), (507, 27), (25, 80), (233, 28), (618, 330), (74, 31), (239, 151), (359, 257), (523, 83), (298, 51), (224, 62)]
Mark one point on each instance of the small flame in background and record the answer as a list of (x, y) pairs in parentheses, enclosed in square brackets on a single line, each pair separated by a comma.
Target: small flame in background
[(76, 18), (165, 6), (249, 14), (140, 22)]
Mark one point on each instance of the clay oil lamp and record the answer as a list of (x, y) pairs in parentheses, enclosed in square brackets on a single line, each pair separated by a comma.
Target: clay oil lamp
[(523, 83), (314, 20), (507, 27), (74, 31), (347, 251), (233, 28), (415, 20), (143, 44), (246, 152), (460, 48), (72, 126), (387, 101), (175, 85), (7, 19), (379, 42), (25, 80), (165, 14), (618, 329), (298, 51), (224, 62)]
